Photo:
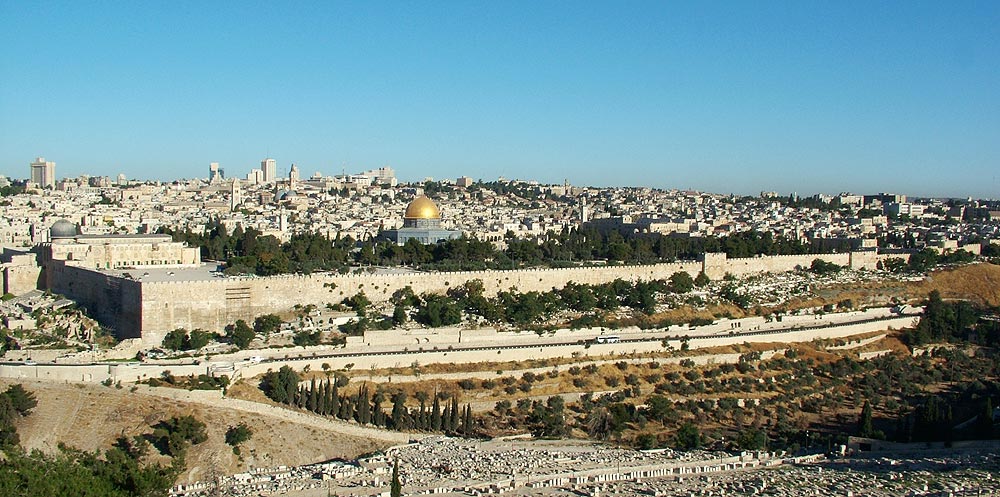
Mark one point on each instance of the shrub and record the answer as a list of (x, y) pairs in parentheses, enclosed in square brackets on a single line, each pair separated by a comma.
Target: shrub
[(238, 434)]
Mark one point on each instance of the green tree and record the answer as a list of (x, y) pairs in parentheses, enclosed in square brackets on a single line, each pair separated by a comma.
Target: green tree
[(280, 386), (660, 408), (240, 334), (175, 340), (8, 431), (438, 310), (752, 439), (173, 435), (21, 400), (238, 434), (865, 428), (118, 473), (399, 315), (687, 437), (266, 324), (821, 267), (681, 282), (701, 280), (197, 339)]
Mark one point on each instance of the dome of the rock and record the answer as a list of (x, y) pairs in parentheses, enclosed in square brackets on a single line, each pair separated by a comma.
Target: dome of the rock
[(422, 208)]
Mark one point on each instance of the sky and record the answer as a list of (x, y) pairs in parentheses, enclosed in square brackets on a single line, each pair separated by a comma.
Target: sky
[(728, 97)]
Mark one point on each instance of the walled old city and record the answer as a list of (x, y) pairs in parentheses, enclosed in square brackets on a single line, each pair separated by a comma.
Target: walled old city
[(472, 337)]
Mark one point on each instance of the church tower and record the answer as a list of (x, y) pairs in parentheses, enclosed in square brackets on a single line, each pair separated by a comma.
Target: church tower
[(236, 196)]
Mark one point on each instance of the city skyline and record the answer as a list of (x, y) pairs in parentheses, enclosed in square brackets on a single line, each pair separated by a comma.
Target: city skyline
[(723, 98)]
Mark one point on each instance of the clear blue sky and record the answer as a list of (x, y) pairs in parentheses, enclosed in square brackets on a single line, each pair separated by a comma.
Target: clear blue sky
[(720, 96)]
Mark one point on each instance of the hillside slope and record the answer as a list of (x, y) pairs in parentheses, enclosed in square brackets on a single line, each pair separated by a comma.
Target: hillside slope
[(92, 417)]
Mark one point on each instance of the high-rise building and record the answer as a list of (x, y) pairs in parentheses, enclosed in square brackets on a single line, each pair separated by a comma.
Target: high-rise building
[(255, 177), (43, 173), (215, 173), (382, 176), (270, 168)]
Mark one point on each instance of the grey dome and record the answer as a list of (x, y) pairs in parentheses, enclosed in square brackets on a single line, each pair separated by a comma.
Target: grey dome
[(63, 229)]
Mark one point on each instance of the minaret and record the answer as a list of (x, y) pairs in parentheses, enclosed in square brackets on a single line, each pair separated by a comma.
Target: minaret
[(583, 210), (235, 195)]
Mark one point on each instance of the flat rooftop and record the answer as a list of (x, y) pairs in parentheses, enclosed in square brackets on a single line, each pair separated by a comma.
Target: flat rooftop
[(204, 272)]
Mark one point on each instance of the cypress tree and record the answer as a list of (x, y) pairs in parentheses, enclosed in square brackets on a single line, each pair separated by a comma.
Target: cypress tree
[(321, 399), (454, 414), (291, 393), (364, 407), (436, 414), (395, 488), (346, 410), (399, 412), (334, 404), (467, 421), (378, 416), (986, 419), (313, 401), (865, 428)]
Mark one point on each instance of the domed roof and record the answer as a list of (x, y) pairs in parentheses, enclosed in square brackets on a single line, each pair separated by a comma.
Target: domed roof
[(63, 229), (422, 208)]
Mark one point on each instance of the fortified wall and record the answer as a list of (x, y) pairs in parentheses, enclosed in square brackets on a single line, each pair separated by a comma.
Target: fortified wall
[(115, 302), (213, 304)]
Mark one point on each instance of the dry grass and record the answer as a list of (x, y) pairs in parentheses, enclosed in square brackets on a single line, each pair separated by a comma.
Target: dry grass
[(977, 282), (92, 417)]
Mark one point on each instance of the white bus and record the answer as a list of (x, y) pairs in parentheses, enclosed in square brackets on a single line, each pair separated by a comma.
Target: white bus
[(608, 339)]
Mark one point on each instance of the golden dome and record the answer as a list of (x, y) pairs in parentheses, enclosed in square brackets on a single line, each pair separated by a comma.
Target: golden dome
[(422, 208)]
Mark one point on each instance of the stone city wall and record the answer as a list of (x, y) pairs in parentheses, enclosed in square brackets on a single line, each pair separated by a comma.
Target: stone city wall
[(19, 280), (115, 302), (213, 304)]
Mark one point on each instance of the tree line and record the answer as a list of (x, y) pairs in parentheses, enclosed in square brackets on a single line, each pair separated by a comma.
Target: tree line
[(953, 321), (521, 309), (248, 251), (367, 407)]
